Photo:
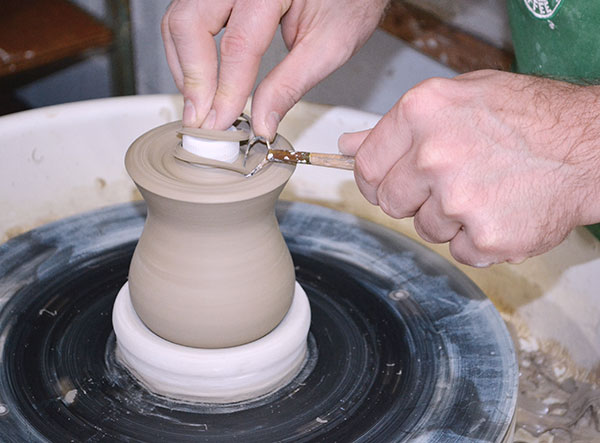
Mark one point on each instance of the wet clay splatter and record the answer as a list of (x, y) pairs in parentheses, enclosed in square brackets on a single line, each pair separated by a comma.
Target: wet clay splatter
[(551, 406)]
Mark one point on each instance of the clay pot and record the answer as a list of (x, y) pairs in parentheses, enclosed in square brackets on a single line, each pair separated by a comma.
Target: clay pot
[(211, 268)]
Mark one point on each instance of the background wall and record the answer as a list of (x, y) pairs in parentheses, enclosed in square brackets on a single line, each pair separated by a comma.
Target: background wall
[(90, 78), (373, 80)]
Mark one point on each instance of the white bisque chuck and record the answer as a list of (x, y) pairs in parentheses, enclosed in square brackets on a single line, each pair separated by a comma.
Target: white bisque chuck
[(222, 150)]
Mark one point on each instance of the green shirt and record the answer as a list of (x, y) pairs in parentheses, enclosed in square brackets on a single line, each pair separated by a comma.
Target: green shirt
[(557, 38)]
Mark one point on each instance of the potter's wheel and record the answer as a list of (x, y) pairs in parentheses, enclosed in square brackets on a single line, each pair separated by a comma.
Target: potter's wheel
[(402, 344)]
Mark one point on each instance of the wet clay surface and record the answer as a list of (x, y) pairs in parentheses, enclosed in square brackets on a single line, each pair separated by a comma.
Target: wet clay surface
[(401, 345), (211, 269)]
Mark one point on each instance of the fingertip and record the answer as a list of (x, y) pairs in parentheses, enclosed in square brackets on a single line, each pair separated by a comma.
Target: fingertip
[(349, 142), (344, 144), (267, 111)]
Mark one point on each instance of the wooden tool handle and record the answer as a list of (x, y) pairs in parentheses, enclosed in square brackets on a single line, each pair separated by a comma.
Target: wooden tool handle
[(311, 158), (338, 161)]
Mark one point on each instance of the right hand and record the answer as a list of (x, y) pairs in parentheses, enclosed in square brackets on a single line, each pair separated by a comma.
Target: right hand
[(320, 34), (502, 166)]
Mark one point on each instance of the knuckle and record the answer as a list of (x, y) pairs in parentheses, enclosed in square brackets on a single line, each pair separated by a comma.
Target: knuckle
[(409, 104), (452, 208), (474, 75), (486, 239), (460, 197), (424, 98), (234, 44), (430, 157), (177, 23), (192, 79), (432, 86), (454, 204)]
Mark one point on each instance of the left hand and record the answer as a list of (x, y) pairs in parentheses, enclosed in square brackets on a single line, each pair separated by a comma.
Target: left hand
[(320, 34), (503, 166)]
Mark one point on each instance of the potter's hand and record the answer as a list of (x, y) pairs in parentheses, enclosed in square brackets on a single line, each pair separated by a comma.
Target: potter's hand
[(320, 34), (501, 165)]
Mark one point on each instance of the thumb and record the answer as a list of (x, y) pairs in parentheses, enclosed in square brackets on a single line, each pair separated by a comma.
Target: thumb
[(349, 142)]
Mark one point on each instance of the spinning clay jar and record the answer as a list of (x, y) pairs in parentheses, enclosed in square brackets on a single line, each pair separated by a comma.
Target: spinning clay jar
[(211, 268)]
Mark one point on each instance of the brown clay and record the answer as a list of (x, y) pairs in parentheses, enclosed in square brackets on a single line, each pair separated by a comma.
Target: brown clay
[(211, 268)]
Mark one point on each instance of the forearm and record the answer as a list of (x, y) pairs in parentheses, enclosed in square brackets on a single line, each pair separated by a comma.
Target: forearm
[(580, 126)]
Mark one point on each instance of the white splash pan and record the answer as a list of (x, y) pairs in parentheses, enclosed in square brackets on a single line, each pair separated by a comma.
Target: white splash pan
[(65, 159)]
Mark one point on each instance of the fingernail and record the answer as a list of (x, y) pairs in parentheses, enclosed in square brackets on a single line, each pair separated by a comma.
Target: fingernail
[(272, 122), (189, 113), (209, 121)]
